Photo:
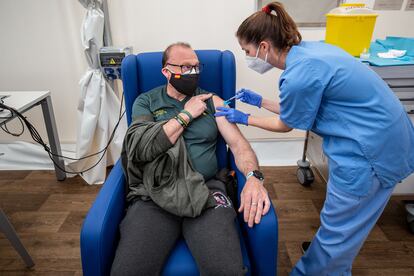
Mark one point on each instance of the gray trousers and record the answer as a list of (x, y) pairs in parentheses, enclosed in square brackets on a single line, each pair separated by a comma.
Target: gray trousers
[(148, 234)]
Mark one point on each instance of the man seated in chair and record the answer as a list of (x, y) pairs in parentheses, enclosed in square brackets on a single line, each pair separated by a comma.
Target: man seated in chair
[(148, 233)]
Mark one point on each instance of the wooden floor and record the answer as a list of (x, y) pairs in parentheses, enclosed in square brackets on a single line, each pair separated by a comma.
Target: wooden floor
[(47, 215)]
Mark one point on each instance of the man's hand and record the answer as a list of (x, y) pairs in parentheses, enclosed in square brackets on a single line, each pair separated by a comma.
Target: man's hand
[(196, 105), (254, 201)]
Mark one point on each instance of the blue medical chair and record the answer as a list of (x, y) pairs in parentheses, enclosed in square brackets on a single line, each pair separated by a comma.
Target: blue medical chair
[(99, 234)]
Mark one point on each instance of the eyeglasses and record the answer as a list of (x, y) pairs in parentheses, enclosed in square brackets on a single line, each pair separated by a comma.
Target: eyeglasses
[(189, 69)]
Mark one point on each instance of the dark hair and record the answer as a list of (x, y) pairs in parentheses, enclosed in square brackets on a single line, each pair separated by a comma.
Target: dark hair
[(279, 28), (166, 53)]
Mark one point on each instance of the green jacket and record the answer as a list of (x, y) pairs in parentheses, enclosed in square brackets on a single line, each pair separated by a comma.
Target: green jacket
[(157, 169)]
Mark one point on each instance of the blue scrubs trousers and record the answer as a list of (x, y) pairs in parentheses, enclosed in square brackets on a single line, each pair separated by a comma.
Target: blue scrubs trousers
[(346, 221)]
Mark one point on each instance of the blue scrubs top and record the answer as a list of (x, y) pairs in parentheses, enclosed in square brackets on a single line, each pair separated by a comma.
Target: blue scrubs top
[(363, 124)]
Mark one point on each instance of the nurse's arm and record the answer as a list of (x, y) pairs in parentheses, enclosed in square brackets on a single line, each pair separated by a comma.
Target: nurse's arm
[(269, 123), (272, 106), (246, 161)]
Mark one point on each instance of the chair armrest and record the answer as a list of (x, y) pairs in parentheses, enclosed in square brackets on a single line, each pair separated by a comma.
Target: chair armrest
[(99, 234), (262, 239)]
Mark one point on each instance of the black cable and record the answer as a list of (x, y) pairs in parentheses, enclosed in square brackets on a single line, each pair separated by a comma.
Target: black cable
[(5, 128), (110, 139), (38, 139)]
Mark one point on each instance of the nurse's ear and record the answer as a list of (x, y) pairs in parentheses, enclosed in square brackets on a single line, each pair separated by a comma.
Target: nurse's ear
[(264, 46), (264, 49), (276, 57)]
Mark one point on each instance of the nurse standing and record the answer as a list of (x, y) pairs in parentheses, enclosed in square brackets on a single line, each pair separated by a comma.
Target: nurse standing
[(367, 135)]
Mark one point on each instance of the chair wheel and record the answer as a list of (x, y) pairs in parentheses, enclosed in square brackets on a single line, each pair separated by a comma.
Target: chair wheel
[(410, 216), (305, 176), (411, 227)]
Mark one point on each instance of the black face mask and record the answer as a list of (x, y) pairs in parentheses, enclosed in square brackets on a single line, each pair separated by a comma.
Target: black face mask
[(185, 84)]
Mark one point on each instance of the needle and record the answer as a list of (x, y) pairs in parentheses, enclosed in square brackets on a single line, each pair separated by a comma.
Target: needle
[(226, 102)]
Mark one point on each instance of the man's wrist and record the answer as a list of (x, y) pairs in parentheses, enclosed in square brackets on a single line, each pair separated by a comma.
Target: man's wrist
[(255, 173), (187, 114), (185, 117), (181, 121)]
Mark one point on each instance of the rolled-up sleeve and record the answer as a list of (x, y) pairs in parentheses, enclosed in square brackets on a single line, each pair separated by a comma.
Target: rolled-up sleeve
[(301, 92)]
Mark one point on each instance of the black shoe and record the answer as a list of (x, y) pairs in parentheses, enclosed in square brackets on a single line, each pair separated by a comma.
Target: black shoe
[(305, 246)]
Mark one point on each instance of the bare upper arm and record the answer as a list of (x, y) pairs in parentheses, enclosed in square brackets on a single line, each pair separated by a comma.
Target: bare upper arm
[(230, 132)]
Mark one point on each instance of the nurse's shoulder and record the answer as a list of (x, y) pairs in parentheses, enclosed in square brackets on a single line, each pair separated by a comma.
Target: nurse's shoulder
[(305, 65)]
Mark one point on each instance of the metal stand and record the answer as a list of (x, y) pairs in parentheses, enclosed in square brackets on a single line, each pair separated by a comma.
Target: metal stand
[(53, 136), (11, 235)]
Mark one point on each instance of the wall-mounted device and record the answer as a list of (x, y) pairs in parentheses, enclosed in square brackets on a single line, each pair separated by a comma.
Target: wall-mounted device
[(110, 59)]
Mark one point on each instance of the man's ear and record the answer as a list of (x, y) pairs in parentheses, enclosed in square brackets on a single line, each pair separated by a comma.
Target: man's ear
[(166, 73)]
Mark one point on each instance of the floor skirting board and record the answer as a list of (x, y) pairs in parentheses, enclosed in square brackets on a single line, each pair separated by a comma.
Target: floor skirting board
[(28, 156)]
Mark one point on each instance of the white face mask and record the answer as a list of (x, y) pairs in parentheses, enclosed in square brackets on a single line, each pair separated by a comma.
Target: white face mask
[(257, 64)]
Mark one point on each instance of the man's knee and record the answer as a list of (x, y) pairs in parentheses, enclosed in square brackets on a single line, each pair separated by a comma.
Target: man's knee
[(225, 269), (132, 268)]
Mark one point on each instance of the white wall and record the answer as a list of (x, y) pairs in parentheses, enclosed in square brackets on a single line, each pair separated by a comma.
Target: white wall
[(41, 49), (396, 23), (205, 25)]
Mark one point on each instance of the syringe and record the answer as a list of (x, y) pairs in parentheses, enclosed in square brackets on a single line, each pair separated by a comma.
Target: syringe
[(227, 102)]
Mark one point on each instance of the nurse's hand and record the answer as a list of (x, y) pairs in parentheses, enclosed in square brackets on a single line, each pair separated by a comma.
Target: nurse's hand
[(249, 97), (233, 115), (254, 201)]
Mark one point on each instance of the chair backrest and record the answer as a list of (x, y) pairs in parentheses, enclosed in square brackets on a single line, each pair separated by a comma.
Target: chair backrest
[(142, 72)]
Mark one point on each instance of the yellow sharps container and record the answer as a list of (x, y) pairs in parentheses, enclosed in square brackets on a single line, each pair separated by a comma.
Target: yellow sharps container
[(350, 26)]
